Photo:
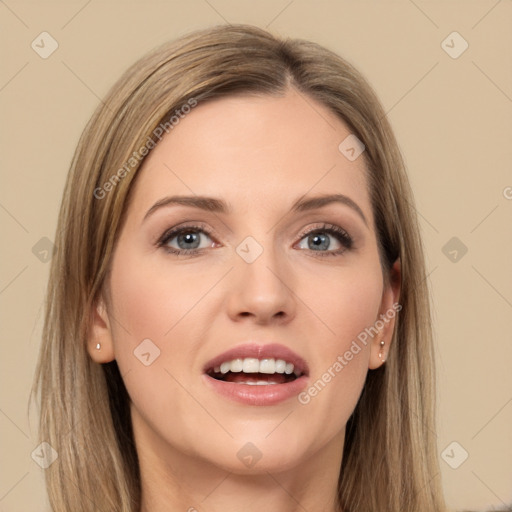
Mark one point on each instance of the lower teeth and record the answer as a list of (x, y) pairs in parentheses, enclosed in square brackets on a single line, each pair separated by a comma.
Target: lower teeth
[(253, 379), (259, 383)]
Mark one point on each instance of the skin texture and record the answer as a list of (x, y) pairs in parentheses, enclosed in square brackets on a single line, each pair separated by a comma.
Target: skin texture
[(259, 154)]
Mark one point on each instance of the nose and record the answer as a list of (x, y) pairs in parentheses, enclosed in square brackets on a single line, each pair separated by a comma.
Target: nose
[(262, 290)]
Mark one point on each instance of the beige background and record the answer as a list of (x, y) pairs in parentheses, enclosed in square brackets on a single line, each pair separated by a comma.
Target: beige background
[(453, 119)]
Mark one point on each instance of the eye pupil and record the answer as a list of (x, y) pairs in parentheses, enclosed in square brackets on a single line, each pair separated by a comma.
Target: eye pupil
[(317, 241), (189, 237)]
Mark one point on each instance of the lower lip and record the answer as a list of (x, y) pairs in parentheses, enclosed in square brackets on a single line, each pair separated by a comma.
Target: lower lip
[(269, 394)]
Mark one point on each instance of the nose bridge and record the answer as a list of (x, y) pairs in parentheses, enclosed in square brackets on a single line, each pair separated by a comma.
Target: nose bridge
[(260, 261), (262, 276)]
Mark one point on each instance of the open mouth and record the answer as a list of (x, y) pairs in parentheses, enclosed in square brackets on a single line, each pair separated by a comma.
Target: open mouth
[(255, 372)]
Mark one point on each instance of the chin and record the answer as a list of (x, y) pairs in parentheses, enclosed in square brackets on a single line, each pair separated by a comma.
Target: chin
[(250, 458)]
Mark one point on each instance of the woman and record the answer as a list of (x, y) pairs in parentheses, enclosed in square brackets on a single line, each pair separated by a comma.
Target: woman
[(237, 312)]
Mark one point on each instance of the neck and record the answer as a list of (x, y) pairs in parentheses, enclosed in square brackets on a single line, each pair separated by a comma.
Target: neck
[(173, 480)]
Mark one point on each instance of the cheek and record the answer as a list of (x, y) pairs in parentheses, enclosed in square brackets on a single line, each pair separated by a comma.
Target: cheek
[(149, 327), (349, 303), (150, 301), (144, 310), (349, 307)]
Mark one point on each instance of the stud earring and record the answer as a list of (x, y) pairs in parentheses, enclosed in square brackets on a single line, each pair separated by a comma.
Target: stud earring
[(382, 343), (98, 346)]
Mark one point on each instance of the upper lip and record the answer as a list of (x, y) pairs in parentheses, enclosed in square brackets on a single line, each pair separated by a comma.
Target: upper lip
[(259, 351)]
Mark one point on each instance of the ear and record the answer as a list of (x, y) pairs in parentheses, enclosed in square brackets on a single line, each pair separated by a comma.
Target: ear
[(385, 323), (99, 343)]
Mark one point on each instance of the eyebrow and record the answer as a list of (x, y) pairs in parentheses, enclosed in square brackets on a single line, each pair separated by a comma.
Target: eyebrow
[(212, 204)]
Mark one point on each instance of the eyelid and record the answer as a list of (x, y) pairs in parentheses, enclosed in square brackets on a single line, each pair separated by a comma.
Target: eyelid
[(343, 237), (175, 230), (328, 227)]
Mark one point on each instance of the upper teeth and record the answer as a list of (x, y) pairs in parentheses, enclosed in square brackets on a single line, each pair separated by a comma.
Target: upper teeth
[(253, 365)]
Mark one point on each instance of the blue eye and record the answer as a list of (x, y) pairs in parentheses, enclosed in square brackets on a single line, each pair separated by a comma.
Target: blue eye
[(319, 239), (188, 240)]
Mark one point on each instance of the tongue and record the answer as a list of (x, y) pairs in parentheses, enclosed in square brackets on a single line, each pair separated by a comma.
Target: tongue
[(276, 378)]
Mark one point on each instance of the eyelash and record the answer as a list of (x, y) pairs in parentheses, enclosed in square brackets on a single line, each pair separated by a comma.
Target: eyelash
[(340, 234)]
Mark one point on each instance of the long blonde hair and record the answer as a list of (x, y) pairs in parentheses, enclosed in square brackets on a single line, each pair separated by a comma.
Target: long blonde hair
[(390, 457)]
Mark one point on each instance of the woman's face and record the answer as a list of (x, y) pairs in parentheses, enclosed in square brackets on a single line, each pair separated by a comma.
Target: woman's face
[(271, 278)]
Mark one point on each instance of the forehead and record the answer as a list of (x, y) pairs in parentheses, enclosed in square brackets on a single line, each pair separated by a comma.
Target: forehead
[(254, 151)]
